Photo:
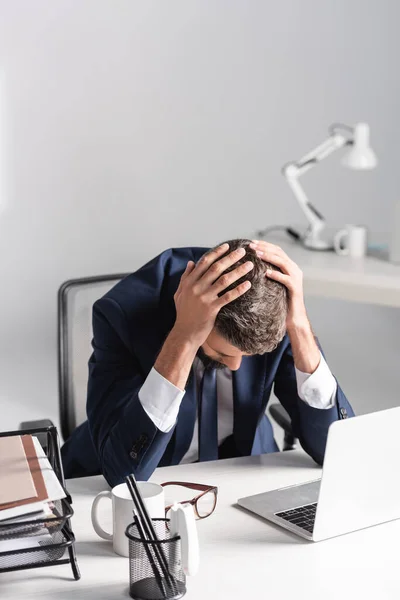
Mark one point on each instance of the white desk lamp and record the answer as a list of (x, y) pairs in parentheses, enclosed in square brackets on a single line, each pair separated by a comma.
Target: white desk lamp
[(360, 157)]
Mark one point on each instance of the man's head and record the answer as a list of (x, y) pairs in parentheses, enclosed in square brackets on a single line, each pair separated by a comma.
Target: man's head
[(254, 323)]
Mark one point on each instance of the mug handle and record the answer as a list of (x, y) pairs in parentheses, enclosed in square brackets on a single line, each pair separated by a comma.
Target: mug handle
[(95, 521), (337, 240)]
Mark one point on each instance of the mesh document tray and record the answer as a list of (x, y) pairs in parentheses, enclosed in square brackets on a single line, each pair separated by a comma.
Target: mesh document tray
[(62, 511), (31, 542), (46, 548)]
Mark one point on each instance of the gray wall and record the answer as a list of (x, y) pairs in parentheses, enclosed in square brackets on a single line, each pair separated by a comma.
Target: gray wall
[(127, 127)]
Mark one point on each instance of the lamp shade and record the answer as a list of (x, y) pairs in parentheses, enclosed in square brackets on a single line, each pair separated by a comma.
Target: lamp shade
[(361, 155)]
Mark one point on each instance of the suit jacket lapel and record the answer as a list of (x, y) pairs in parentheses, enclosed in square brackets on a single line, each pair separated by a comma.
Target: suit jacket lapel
[(248, 387)]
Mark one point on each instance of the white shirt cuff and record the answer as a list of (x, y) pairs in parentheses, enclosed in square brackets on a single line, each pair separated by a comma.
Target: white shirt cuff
[(161, 400), (319, 389)]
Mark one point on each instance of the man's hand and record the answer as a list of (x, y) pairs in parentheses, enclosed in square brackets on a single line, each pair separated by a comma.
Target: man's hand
[(197, 303), (197, 298), (306, 353), (291, 277)]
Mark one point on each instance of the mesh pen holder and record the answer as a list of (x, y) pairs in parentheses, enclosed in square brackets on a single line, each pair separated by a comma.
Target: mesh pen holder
[(155, 568)]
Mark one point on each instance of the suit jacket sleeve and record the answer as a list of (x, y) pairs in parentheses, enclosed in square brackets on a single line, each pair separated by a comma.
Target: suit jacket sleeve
[(125, 438), (309, 424)]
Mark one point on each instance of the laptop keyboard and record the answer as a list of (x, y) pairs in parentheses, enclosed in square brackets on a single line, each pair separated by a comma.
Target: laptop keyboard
[(303, 516)]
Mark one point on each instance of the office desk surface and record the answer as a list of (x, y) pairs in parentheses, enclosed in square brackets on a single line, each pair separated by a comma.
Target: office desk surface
[(371, 279), (242, 556)]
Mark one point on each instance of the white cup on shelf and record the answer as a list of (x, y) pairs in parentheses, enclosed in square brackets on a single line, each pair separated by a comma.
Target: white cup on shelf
[(395, 241), (351, 241)]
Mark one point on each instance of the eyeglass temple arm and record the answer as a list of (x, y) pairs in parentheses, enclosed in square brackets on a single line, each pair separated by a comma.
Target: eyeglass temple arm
[(195, 486)]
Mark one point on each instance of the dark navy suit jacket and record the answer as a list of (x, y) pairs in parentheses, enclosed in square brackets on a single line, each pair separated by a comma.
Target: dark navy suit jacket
[(130, 324)]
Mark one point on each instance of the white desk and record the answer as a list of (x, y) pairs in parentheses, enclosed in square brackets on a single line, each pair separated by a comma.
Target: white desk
[(242, 557), (370, 279)]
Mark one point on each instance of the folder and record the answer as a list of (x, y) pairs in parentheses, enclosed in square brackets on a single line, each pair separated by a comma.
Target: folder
[(51, 486), (34, 472), (16, 481)]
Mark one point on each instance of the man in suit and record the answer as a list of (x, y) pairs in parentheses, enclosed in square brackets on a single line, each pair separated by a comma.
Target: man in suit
[(186, 351)]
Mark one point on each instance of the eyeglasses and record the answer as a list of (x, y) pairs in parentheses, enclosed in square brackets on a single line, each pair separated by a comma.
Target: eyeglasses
[(203, 505)]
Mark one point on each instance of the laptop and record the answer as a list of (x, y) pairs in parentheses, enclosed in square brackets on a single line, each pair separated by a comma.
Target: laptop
[(359, 487)]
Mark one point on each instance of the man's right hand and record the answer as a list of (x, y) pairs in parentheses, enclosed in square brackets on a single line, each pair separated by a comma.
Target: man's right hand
[(197, 298), (197, 303)]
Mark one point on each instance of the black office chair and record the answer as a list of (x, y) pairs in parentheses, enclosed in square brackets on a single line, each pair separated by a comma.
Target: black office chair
[(75, 301), (280, 415)]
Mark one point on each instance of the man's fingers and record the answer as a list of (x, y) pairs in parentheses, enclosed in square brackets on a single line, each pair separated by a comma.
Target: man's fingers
[(216, 269), (283, 262), (278, 276), (189, 268), (262, 245), (233, 294), (228, 278), (268, 247), (207, 260)]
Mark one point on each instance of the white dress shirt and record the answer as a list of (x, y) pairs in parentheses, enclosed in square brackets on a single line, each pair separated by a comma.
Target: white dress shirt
[(161, 399)]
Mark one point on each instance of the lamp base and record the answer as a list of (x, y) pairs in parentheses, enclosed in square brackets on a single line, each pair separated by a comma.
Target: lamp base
[(313, 239), (317, 245)]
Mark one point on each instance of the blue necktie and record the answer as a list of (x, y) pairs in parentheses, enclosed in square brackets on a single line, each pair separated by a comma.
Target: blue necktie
[(208, 417)]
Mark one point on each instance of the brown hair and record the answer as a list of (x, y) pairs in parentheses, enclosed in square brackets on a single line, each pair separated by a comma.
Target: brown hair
[(256, 321)]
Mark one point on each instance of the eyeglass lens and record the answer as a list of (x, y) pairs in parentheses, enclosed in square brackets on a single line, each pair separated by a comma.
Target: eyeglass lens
[(206, 504)]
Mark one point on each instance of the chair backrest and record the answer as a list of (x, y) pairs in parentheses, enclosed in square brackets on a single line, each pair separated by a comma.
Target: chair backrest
[(75, 301)]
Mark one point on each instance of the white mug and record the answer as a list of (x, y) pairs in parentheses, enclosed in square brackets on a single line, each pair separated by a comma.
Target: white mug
[(351, 241), (122, 509)]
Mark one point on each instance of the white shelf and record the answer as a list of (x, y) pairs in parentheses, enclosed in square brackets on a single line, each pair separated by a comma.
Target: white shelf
[(372, 279)]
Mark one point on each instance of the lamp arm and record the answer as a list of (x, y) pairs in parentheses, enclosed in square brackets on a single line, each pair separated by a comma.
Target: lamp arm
[(292, 172), (313, 216), (333, 143)]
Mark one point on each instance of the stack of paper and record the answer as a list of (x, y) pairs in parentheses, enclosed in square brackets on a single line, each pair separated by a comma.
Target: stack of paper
[(28, 489), (16, 481), (28, 484)]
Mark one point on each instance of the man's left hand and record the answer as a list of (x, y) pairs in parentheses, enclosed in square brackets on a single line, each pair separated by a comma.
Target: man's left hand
[(290, 275), (305, 350)]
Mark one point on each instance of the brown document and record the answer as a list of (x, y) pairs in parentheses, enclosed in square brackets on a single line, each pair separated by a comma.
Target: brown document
[(16, 482), (36, 473)]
